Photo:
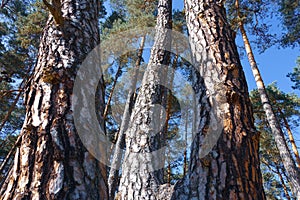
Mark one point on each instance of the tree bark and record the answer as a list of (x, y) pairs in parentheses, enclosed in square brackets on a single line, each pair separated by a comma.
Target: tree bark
[(288, 162), (231, 169), (118, 152), (291, 137), (51, 162), (139, 179)]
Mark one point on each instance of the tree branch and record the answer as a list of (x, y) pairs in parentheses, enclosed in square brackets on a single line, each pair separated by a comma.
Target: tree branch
[(55, 10), (3, 3)]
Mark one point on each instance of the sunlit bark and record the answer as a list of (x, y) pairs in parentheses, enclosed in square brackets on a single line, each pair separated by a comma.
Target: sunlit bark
[(231, 169), (51, 161), (139, 179)]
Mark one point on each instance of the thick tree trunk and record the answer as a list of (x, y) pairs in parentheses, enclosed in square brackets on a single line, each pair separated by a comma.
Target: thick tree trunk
[(51, 162), (139, 180), (288, 162), (231, 169)]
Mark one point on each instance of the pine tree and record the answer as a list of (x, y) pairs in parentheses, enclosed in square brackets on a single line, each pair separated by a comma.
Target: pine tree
[(231, 169), (290, 12), (286, 108), (20, 26), (51, 162), (138, 181)]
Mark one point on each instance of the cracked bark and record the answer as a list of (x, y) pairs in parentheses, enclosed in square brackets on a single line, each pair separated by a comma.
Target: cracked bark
[(51, 162), (139, 180), (231, 170)]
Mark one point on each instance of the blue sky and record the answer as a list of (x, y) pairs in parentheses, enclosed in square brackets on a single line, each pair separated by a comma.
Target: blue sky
[(274, 65)]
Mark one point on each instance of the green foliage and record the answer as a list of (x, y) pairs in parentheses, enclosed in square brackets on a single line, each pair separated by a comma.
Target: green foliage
[(20, 37), (255, 16), (129, 14), (295, 76), (290, 11), (30, 26), (16, 62), (259, 17), (179, 22), (289, 105)]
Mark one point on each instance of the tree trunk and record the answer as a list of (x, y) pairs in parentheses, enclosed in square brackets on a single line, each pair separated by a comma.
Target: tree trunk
[(280, 141), (286, 192), (185, 165), (231, 169), (51, 162), (105, 113), (139, 179), (118, 152), (291, 137)]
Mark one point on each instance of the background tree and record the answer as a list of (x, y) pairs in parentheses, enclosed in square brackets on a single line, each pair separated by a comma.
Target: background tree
[(286, 107), (295, 76), (290, 12)]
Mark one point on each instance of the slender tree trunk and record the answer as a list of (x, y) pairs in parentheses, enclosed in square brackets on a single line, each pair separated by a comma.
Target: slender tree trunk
[(291, 137), (139, 180), (111, 92), (280, 141), (283, 172), (283, 183), (231, 169), (169, 169), (113, 179), (185, 145), (51, 162), (168, 96)]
